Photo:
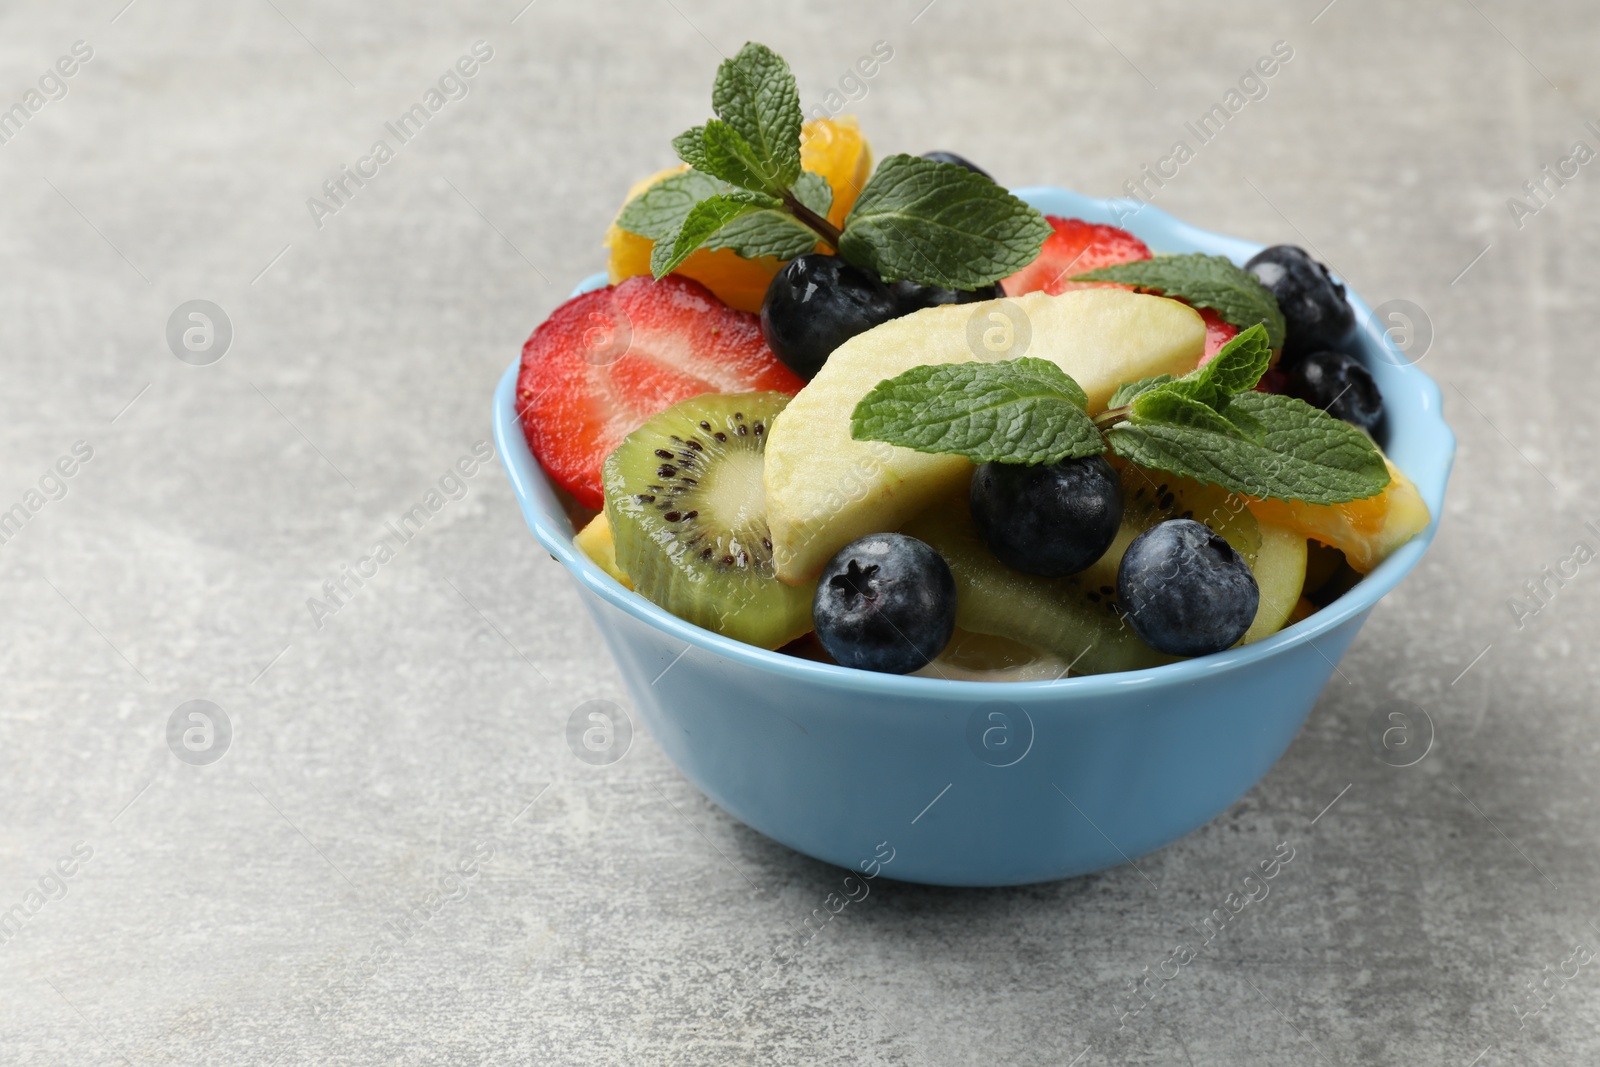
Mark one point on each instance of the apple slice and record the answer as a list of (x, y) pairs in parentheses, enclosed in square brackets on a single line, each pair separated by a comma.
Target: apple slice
[(598, 544), (825, 489)]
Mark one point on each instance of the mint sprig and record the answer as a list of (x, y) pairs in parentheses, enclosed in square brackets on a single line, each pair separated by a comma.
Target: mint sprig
[(1207, 425), (1211, 426), (1214, 282), (1296, 453), (932, 223), (1023, 410)]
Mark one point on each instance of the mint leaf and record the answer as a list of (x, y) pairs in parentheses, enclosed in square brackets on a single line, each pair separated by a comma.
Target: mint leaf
[(765, 232), (1128, 390), (1238, 366), (939, 224), (772, 231), (659, 211), (1292, 450), (813, 190), (755, 94), (1018, 411), (703, 220), (727, 155), (1209, 426), (690, 146), (1167, 406), (1205, 281)]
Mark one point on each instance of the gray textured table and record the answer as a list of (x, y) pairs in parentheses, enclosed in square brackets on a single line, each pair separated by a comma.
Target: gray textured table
[(397, 860)]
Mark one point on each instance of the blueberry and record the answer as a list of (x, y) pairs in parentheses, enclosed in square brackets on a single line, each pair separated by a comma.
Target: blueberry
[(960, 161), (909, 296), (886, 602), (1313, 304), (817, 303), (1184, 589), (1053, 519), (1337, 383)]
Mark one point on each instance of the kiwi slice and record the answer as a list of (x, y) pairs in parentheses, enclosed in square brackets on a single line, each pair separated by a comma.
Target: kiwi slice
[(687, 510), (1077, 618), (1061, 616), (976, 657), (1280, 570)]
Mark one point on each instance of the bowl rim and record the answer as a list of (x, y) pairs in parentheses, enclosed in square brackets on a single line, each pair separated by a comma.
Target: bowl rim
[(1164, 233)]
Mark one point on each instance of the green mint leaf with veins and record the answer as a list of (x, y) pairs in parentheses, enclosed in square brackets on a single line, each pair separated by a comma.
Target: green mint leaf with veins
[(772, 231), (1128, 390), (727, 155), (765, 232), (755, 94), (1169, 406), (659, 211), (690, 146), (1018, 411), (939, 224), (1290, 450), (765, 229), (1239, 365), (813, 190), (703, 220), (1205, 281)]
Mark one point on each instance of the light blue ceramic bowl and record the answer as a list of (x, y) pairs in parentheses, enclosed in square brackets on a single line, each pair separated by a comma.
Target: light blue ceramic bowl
[(987, 784)]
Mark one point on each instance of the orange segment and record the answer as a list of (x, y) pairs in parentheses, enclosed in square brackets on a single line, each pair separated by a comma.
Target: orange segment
[(1366, 531), (833, 148)]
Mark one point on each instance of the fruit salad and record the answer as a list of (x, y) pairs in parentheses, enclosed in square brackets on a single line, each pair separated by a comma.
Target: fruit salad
[(891, 417)]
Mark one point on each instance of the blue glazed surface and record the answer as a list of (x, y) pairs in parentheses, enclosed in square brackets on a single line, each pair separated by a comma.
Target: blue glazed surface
[(832, 761)]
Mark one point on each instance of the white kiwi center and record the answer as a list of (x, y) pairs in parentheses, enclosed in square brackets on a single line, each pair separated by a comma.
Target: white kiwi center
[(734, 499)]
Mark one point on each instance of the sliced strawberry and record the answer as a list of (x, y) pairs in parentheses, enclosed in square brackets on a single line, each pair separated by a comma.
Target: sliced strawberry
[(606, 361), (1218, 333), (1076, 246)]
